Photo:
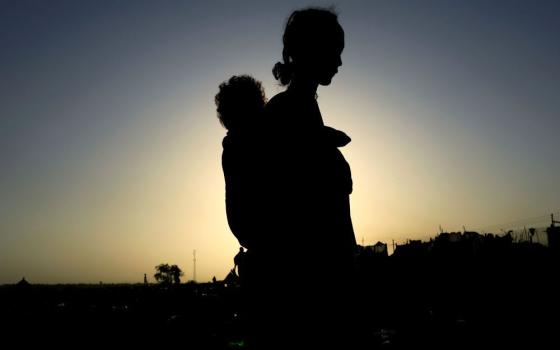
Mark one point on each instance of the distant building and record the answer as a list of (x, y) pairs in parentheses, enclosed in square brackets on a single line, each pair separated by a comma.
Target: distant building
[(455, 237), (380, 249), (412, 249), (471, 235), (23, 283)]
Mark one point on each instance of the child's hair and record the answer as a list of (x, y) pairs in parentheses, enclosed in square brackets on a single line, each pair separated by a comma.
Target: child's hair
[(239, 99)]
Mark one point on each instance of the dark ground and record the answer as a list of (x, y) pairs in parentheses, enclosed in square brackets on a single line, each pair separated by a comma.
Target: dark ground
[(420, 298)]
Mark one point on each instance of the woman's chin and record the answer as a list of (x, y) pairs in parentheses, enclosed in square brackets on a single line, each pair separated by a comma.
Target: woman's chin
[(325, 81)]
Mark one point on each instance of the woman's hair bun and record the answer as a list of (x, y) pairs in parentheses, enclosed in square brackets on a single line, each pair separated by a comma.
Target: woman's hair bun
[(282, 72)]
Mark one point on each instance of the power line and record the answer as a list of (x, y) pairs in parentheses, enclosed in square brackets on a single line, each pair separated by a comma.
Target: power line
[(521, 222)]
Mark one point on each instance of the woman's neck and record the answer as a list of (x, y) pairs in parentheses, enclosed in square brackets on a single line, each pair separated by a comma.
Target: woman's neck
[(305, 88), (305, 91)]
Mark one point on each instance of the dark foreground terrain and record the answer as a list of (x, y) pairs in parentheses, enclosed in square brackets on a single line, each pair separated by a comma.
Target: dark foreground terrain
[(438, 294)]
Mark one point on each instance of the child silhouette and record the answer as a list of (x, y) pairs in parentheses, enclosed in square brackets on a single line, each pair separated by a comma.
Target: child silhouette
[(240, 106)]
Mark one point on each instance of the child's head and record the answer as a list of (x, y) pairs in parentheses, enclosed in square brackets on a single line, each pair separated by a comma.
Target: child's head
[(240, 100)]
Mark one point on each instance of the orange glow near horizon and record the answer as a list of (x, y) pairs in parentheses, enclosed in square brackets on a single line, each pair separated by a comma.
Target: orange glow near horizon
[(144, 202)]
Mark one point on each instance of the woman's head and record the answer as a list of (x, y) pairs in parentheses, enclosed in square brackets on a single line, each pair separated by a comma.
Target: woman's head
[(313, 42), (239, 101)]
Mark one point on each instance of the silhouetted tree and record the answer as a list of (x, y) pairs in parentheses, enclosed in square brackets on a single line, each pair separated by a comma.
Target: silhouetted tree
[(176, 274), (168, 274)]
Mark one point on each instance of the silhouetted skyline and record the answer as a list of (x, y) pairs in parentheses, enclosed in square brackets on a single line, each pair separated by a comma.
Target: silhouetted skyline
[(108, 133)]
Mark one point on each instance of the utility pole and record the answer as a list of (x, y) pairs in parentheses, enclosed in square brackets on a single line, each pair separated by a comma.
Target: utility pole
[(194, 265)]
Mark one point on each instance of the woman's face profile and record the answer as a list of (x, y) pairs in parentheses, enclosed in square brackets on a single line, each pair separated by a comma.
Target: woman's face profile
[(322, 59), (328, 63)]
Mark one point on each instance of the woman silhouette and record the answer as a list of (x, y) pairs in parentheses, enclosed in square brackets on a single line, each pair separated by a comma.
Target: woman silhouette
[(312, 178), (304, 258)]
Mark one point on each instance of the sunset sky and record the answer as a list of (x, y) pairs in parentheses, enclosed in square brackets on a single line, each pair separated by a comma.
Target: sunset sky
[(110, 146)]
